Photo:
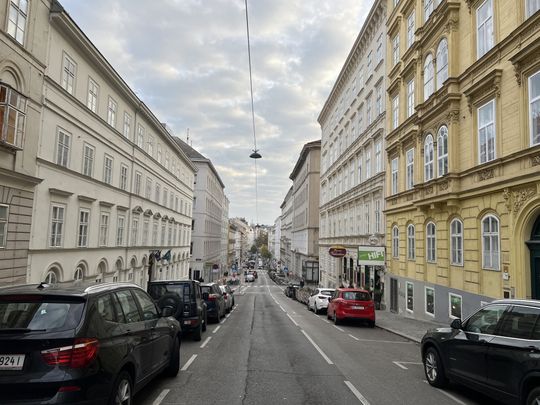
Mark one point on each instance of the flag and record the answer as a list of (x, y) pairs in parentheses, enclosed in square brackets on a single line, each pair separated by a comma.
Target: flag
[(167, 256)]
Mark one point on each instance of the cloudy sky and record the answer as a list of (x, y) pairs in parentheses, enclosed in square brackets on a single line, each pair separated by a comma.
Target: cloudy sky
[(187, 60)]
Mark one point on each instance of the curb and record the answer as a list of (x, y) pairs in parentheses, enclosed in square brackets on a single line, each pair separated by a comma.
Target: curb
[(399, 333)]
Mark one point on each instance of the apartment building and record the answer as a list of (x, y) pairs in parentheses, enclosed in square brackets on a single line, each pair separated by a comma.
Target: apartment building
[(353, 163), (463, 145), (241, 246), (285, 244)]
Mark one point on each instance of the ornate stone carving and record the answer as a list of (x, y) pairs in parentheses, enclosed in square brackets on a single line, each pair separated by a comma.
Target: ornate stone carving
[(429, 190), (517, 73), (453, 117), (451, 25), (486, 174), (521, 196), (507, 199), (535, 160), (444, 185), (410, 197)]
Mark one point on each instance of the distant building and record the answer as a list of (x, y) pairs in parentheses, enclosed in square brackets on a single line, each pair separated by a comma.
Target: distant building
[(286, 232)]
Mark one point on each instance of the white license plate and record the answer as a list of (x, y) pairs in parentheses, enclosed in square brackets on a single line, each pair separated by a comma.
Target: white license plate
[(357, 307), (11, 361)]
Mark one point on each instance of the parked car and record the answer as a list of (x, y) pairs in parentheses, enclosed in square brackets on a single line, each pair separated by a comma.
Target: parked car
[(215, 302), (254, 272), (185, 297), (249, 278), (291, 290), (494, 351), (318, 300), (82, 344), (351, 303), (228, 295)]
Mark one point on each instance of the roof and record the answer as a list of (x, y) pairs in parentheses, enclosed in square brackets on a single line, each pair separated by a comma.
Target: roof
[(73, 288), (308, 147)]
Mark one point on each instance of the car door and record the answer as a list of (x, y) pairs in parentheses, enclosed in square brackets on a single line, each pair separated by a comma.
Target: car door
[(332, 305), (466, 351), (515, 346)]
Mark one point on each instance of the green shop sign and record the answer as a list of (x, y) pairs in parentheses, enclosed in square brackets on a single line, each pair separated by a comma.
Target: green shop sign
[(371, 255)]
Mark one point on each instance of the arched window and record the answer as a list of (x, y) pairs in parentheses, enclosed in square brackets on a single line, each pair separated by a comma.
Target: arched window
[(490, 243), (456, 242), (442, 151), (79, 272), (442, 63), (51, 277), (431, 242), (395, 241), (428, 158), (101, 270), (411, 250), (428, 77)]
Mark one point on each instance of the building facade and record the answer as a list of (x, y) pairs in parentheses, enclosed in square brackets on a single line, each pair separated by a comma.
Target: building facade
[(241, 246), (285, 244), (305, 213), (353, 161), (463, 146)]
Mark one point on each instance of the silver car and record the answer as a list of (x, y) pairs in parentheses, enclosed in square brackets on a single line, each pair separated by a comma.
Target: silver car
[(228, 294)]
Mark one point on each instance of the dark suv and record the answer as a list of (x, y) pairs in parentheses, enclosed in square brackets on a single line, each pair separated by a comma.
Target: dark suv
[(185, 297), (496, 351), (213, 296), (84, 345)]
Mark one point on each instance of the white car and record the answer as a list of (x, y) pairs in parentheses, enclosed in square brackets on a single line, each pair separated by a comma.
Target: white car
[(250, 278), (228, 295), (318, 301)]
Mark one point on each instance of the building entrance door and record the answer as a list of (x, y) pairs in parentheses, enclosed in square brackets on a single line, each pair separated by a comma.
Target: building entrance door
[(534, 247)]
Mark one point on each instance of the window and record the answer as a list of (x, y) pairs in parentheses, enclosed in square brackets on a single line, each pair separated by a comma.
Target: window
[(410, 169), (150, 149), (486, 132), (147, 305), (410, 296), (84, 216), (368, 110), (135, 231), (79, 273), (378, 157), (159, 153), (532, 7), (120, 226), (359, 160), (484, 28), (3, 225), (51, 277), (92, 99), (395, 50), (57, 225), (411, 242), (490, 243), (456, 242), (123, 176), (129, 307), (88, 160), (394, 176), (111, 112), (428, 8), (442, 63), (431, 242), (379, 106), (103, 228), (140, 136), (368, 163), (377, 216), (428, 158), (127, 124), (454, 302), (107, 169), (146, 229), (519, 323), (428, 77), (360, 115), (165, 192), (534, 106), (148, 190), (12, 116), (369, 64), (395, 112), (378, 54), (154, 233), (18, 11), (68, 74), (430, 301), (485, 320), (410, 98), (138, 181), (367, 217), (62, 148), (442, 151), (395, 241), (158, 192), (410, 29)]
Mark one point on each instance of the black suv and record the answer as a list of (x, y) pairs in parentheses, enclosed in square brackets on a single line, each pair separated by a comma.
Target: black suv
[(495, 351), (80, 344), (215, 302), (185, 297)]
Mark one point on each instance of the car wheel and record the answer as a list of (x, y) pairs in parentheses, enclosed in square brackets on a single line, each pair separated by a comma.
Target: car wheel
[(336, 320), (371, 324), (197, 333), (122, 393), (174, 361), (434, 369), (204, 321), (534, 397)]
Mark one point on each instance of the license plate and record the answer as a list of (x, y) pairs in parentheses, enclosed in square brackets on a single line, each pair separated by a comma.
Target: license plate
[(11, 361), (357, 307)]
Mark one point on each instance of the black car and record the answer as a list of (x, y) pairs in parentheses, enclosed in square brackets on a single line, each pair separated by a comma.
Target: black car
[(78, 344), (214, 301), (495, 351), (185, 297)]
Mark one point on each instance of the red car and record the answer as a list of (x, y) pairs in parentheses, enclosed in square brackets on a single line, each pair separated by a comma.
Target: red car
[(351, 303)]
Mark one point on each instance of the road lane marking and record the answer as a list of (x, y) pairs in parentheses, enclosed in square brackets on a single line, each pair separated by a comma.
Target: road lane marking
[(326, 320), (354, 337), (317, 348), (453, 398), (338, 328), (206, 342), (283, 309), (356, 393), (291, 318), (215, 330), (160, 397), (188, 363), (401, 364)]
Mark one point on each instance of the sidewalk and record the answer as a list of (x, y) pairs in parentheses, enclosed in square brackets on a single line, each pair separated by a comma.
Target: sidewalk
[(409, 328)]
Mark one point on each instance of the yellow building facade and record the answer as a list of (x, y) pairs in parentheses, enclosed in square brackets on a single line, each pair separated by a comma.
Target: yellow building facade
[(463, 153)]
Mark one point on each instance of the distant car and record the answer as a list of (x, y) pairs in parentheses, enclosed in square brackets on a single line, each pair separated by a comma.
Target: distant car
[(254, 272), (494, 351), (291, 290), (249, 278), (318, 301), (77, 344), (351, 303), (228, 295), (214, 301)]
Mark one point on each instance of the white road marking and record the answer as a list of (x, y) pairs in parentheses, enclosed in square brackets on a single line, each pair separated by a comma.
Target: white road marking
[(160, 397), (227, 315), (401, 364), (356, 393), (188, 363), (326, 320), (291, 318), (354, 337), (223, 321), (317, 348), (215, 330), (453, 398), (283, 309), (206, 342), (338, 328)]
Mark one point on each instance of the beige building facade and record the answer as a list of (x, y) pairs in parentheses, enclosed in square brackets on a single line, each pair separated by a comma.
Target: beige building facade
[(463, 145)]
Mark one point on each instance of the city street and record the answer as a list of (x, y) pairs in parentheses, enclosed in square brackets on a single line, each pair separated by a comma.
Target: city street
[(272, 350)]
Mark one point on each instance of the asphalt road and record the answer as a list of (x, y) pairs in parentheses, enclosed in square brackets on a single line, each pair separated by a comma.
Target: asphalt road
[(272, 350)]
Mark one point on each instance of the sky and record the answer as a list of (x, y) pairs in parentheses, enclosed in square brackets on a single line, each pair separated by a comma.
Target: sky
[(187, 60)]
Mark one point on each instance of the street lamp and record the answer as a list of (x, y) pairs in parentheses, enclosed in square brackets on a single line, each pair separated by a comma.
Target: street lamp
[(255, 154)]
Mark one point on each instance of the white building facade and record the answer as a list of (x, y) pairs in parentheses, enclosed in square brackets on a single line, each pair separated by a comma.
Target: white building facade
[(286, 231)]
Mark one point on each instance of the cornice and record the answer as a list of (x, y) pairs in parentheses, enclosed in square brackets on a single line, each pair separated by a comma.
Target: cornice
[(489, 84), (20, 178)]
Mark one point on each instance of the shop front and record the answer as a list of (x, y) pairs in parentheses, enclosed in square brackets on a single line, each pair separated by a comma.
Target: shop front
[(371, 261)]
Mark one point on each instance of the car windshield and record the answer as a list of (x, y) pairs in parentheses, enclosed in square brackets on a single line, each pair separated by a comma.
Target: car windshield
[(206, 289), (33, 315), (326, 292), (356, 296), (157, 291)]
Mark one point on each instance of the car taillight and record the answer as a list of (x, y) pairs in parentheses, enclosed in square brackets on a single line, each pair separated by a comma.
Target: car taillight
[(225, 295), (212, 297), (78, 355)]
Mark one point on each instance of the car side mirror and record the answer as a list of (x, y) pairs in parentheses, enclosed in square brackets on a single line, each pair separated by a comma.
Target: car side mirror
[(166, 311), (205, 296), (456, 324)]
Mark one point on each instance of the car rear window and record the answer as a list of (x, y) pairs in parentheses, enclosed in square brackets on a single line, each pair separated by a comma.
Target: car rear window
[(43, 313), (327, 292), (157, 291), (356, 296), (206, 289)]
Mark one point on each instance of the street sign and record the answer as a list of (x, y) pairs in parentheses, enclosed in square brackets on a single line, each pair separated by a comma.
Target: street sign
[(337, 251), (371, 255)]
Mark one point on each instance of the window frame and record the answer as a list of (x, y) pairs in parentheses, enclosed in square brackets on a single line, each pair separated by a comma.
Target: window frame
[(395, 242), (88, 162), (498, 245), (410, 97), (409, 173), (450, 295), (494, 132), (488, 46), (429, 77), (120, 220), (429, 158), (395, 49), (411, 242), (124, 179), (407, 285), (127, 124), (104, 228), (4, 223), (528, 10), (442, 69), (58, 237), (426, 288), (19, 12), (67, 84), (456, 237), (442, 150), (394, 175), (83, 237), (395, 111), (112, 110), (92, 98), (530, 102), (66, 148), (108, 171), (411, 28), (431, 239)]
